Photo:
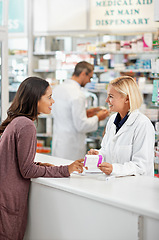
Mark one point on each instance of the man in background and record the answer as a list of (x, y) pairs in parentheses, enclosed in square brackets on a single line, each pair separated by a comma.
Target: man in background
[(71, 119)]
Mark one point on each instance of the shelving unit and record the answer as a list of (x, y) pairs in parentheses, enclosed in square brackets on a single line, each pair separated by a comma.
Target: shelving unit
[(63, 62), (44, 133), (18, 66), (92, 57), (44, 71), (155, 105)]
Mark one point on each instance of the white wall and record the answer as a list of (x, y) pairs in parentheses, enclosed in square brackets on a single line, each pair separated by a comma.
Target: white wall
[(61, 15), (156, 10)]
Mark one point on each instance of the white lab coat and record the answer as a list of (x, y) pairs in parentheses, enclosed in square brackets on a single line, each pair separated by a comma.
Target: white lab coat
[(131, 149), (70, 121)]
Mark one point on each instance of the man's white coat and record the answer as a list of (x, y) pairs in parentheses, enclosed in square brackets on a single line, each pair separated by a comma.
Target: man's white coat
[(70, 121)]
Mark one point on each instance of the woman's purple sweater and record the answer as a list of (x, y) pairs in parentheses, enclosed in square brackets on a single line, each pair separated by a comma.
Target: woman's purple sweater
[(17, 153)]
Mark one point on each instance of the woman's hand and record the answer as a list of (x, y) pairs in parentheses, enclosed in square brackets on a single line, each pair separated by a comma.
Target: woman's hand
[(92, 152), (45, 164), (76, 166), (105, 167)]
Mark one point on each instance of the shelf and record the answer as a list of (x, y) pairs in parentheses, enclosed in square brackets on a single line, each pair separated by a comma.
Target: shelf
[(125, 70), (92, 139), (66, 69), (101, 70), (95, 71), (96, 91), (45, 116), (128, 52), (154, 106), (51, 53), (154, 77), (44, 71), (135, 70), (44, 135), (18, 55)]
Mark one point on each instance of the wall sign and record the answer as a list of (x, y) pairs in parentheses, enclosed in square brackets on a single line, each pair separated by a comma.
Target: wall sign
[(16, 16), (1, 13), (122, 15)]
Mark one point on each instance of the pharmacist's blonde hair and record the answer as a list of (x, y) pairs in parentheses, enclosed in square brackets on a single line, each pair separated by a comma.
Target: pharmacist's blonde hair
[(126, 85)]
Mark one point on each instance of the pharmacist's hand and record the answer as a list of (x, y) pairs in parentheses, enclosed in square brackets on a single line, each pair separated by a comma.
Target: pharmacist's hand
[(45, 164), (102, 114), (92, 152), (76, 166), (92, 111), (105, 167)]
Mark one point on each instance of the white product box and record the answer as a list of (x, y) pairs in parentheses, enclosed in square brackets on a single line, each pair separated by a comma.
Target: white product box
[(147, 41)]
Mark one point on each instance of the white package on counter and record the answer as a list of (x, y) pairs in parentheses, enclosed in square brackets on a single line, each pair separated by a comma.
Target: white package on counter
[(92, 162)]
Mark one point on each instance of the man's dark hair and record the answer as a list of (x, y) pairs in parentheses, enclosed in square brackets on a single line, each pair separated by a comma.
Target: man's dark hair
[(83, 66)]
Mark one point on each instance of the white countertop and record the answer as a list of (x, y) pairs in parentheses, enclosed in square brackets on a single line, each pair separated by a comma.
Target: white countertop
[(139, 194)]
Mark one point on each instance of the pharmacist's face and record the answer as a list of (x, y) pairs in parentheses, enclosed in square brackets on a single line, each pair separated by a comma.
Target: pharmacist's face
[(86, 78), (117, 102), (45, 102)]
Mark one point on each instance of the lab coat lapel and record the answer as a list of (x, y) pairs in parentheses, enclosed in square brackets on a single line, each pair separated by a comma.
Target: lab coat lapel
[(124, 129), (127, 124)]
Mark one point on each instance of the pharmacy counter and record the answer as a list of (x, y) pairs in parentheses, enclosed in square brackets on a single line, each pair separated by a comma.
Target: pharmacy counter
[(92, 207)]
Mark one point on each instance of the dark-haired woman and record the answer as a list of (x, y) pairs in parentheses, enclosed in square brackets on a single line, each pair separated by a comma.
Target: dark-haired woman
[(17, 153)]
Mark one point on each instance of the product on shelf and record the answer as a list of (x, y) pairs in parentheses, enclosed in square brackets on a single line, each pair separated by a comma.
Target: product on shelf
[(155, 66), (147, 41), (156, 40), (141, 43), (155, 93), (156, 44), (41, 148)]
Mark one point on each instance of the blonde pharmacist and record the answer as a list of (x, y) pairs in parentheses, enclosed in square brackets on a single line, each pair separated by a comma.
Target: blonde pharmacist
[(128, 143)]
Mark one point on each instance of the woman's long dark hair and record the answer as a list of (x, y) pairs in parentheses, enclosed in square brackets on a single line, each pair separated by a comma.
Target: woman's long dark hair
[(26, 100)]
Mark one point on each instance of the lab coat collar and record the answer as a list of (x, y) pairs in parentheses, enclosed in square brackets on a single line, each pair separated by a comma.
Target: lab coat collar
[(119, 122), (71, 81), (132, 117)]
